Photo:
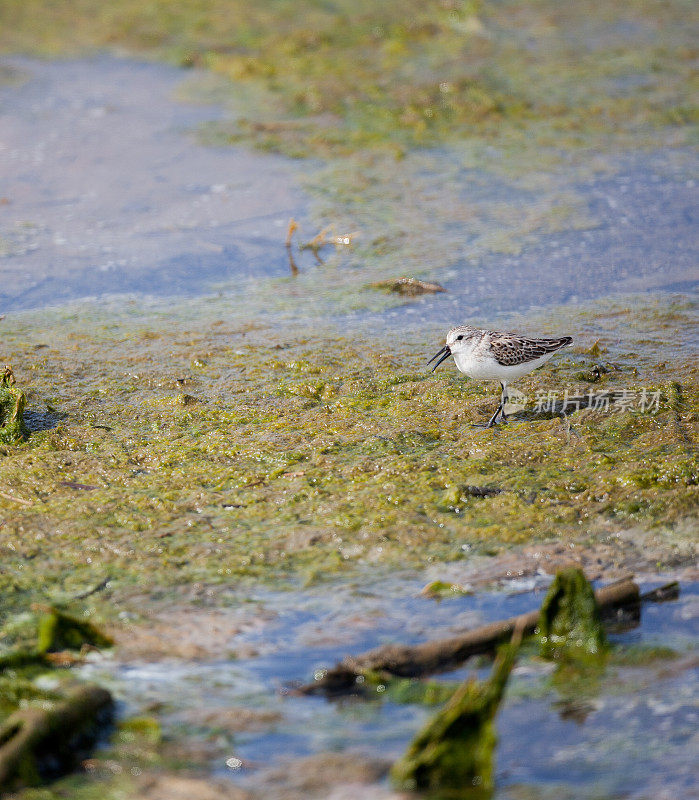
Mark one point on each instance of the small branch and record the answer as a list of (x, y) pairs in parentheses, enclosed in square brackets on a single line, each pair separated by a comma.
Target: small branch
[(670, 591), (16, 499), (101, 585)]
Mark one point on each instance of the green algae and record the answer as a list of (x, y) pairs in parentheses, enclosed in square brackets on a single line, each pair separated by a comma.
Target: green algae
[(407, 690), (438, 590), (12, 403), (452, 756), (303, 461), (570, 625), (19, 689)]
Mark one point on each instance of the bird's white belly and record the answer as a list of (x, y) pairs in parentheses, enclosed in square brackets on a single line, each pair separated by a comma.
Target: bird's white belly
[(488, 369)]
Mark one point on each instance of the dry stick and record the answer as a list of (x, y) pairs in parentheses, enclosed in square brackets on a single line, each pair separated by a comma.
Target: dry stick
[(16, 499), (670, 591), (88, 592), (422, 659), (33, 734)]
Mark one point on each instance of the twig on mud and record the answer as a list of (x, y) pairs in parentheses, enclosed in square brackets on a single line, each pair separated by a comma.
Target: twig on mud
[(89, 592), (16, 499)]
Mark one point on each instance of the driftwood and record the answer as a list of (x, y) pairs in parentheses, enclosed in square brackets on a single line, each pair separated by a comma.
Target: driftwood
[(41, 743), (442, 654), (455, 748), (670, 591)]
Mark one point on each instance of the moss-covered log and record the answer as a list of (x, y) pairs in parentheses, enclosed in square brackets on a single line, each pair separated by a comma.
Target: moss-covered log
[(453, 754), (570, 622), (442, 654), (12, 403), (37, 744)]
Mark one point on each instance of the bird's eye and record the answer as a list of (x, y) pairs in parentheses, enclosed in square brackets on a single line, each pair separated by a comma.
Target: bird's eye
[(459, 338)]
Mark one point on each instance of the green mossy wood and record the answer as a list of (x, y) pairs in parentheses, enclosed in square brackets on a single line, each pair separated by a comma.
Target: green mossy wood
[(569, 621), (452, 757), (41, 742), (12, 403), (56, 631), (61, 631)]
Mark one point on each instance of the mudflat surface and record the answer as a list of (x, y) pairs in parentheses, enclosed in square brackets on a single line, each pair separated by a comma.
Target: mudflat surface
[(641, 237)]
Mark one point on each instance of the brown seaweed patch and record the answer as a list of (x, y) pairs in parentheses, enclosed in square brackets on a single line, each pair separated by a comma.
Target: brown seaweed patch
[(410, 287)]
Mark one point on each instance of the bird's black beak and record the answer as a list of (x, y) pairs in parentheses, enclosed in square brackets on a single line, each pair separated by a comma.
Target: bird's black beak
[(445, 352)]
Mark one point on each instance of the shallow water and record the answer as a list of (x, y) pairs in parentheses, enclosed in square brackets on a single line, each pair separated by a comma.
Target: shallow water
[(641, 237), (588, 745), (108, 192)]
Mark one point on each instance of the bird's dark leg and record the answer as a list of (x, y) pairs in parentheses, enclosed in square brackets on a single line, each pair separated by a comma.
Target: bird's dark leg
[(503, 401), (500, 411), (493, 420)]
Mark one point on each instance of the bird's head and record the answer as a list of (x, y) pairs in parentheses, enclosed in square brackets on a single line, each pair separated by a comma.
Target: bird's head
[(458, 340)]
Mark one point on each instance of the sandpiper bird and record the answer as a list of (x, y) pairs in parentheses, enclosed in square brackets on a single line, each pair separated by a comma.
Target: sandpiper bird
[(493, 355)]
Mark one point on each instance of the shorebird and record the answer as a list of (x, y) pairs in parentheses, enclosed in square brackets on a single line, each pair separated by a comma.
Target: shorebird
[(494, 355)]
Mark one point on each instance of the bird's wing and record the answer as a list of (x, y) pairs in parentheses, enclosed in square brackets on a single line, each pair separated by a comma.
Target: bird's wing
[(510, 350)]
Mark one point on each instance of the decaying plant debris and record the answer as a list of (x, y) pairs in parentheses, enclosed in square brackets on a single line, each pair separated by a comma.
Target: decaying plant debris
[(410, 287)]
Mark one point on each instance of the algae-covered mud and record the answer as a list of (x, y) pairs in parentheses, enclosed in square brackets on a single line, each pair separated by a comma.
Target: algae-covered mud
[(209, 451), (233, 460)]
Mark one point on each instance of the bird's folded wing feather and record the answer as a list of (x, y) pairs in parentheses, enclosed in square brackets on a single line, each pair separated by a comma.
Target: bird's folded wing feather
[(512, 350)]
